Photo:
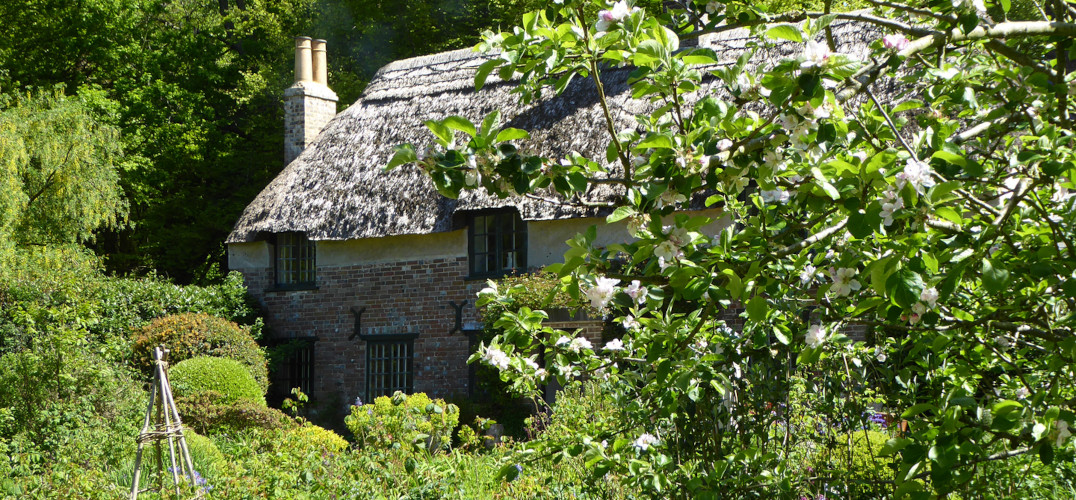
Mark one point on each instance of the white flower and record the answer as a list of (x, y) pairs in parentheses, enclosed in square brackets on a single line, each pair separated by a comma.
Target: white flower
[(645, 441), (667, 250), (679, 237), (1022, 393), (637, 225), (541, 374), (636, 291), (607, 18), (579, 343), (916, 173), (843, 282), (879, 354), (892, 203), (860, 155), (714, 7), (615, 345), (807, 274), (919, 308), (816, 335), (773, 159), (895, 41), (724, 144), (563, 341), (814, 55), (978, 5), (531, 363), (774, 196), (602, 292), (1063, 432), (929, 296), (495, 357)]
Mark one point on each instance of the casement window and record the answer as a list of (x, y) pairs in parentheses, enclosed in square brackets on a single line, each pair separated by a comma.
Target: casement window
[(497, 243), (295, 264), (296, 368), (390, 364)]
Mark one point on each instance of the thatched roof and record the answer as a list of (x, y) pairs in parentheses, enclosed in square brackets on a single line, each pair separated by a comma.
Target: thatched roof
[(336, 189)]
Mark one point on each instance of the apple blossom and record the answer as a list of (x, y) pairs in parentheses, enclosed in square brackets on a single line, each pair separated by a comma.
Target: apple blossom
[(614, 345), (929, 296), (495, 357), (645, 441), (607, 18), (917, 173), (1063, 432), (895, 41), (843, 282), (814, 55), (636, 291), (578, 344), (816, 335), (602, 292)]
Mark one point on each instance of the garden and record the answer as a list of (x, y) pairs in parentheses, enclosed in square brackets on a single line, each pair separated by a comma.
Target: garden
[(889, 312)]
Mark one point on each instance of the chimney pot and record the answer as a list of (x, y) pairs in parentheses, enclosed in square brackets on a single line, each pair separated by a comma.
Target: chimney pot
[(303, 65), (321, 69)]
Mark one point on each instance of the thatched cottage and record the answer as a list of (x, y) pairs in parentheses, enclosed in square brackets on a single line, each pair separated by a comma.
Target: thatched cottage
[(375, 271)]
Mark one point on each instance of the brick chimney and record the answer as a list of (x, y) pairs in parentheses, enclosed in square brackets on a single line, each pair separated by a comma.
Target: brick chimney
[(309, 104)]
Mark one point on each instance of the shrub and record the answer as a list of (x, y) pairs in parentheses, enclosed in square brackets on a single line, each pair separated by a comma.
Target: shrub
[(404, 422), (209, 412), (225, 376), (861, 470), (190, 335), (204, 452), (318, 438)]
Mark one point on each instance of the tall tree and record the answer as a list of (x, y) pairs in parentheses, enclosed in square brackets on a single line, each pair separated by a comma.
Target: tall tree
[(59, 178)]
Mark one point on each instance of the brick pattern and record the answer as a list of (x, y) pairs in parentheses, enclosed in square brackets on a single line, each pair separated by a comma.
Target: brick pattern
[(399, 297), (304, 117)]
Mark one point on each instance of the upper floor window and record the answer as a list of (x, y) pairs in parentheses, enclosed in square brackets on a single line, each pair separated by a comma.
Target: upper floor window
[(295, 263), (497, 243)]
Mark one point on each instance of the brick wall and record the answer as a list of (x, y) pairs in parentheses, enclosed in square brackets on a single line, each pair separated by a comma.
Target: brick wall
[(400, 297)]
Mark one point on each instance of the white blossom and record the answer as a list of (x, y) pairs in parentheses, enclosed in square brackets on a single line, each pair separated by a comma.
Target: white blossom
[(714, 7), (879, 354), (615, 345), (843, 280), (815, 55), (724, 144), (929, 297), (602, 292), (1063, 432), (896, 41), (563, 341), (645, 441), (607, 18), (667, 250), (1022, 393), (579, 343), (816, 335), (636, 291), (774, 196), (495, 357), (917, 173), (807, 274), (679, 236), (670, 197), (892, 202)]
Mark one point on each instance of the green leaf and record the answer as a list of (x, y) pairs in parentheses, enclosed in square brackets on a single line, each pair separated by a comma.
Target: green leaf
[(785, 32), (904, 287), (460, 123), (444, 134), (511, 134), (893, 445), (483, 73), (907, 105), (756, 308), (405, 154), (620, 213), (995, 277), (917, 409), (657, 141), (949, 214)]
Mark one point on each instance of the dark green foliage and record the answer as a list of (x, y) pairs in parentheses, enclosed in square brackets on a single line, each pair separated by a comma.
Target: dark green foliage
[(189, 335), (211, 412), (227, 377)]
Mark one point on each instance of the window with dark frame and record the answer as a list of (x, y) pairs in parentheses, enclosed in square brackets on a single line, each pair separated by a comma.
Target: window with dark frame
[(390, 366), (295, 262), (497, 243), (296, 368)]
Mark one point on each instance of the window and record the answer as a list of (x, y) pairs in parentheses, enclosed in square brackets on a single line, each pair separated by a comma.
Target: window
[(389, 365), (294, 261), (296, 368), (498, 243)]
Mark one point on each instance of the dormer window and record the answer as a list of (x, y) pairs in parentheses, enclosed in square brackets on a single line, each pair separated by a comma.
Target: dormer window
[(497, 243), (295, 264)]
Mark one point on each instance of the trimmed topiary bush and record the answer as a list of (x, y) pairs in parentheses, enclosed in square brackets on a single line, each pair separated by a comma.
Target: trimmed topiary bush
[(190, 335), (225, 376), (209, 412), (319, 438)]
